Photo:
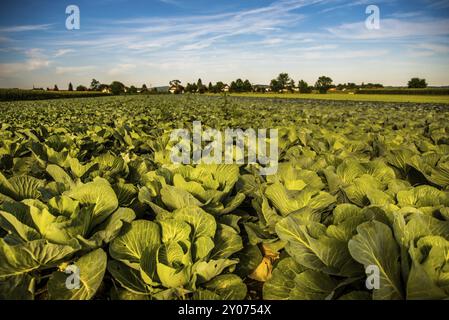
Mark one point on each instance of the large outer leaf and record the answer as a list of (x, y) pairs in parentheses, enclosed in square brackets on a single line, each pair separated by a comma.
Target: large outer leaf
[(311, 247), (291, 281), (12, 224), (6, 187), (174, 230), (227, 242), (130, 246), (59, 175), (98, 193), (110, 229), (227, 287), (212, 268), (19, 287), (23, 258), (176, 198), (429, 275), (127, 277), (92, 267), (374, 245), (202, 223), (26, 187)]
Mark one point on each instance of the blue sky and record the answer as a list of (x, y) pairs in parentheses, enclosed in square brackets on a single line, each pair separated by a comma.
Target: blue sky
[(155, 41)]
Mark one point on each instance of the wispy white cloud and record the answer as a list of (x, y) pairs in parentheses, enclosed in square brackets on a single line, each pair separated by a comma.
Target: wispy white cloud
[(35, 59), (74, 70), (439, 4), (199, 32), (402, 15), (172, 2), (428, 49), (24, 28), (121, 69), (346, 54), (332, 7), (392, 28), (62, 52)]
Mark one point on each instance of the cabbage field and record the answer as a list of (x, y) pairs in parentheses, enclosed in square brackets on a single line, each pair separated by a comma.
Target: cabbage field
[(91, 206)]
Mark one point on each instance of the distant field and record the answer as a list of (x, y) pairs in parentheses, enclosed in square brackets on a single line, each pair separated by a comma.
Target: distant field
[(352, 97)]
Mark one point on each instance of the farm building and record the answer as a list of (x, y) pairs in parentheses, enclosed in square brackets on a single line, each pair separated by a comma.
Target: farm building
[(176, 89)]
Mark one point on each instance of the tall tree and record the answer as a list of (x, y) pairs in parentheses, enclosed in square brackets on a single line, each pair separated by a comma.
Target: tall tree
[(304, 87), (275, 85), (175, 83), (94, 84), (247, 87), (55, 88), (283, 79), (417, 83), (132, 90), (200, 87), (191, 87), (290, 85), (323, 84), (219, 87), (70, 86), (117, 87)]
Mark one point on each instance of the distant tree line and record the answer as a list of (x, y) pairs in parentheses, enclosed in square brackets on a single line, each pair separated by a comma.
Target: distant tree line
[(116, 88), (281, 84)]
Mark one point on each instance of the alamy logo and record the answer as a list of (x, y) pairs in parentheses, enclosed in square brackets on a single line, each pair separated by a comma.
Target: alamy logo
[(372, 22), (73, 280), (373, 277), (189, 150), (72, 22)]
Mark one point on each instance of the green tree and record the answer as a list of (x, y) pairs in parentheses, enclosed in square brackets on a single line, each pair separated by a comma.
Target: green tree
[(247, 87), (275, 85), (290, 85), (219, 87), (132, 90), (102, 87), (210, 87), (233, 87), (70, 86), (94, 85), (239, 85), (283, 79), (417, 83), (55, 88), (280, 83), (191, 87), (175, 83), (117, 88), (304, 87), (200, 87), (323, 84), (81, 88), (144, 89)]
